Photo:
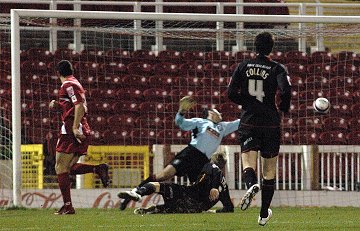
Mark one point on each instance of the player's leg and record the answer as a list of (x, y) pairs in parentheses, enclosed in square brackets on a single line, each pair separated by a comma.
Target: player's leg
[(249, 162), (267, 188), (269, 155), (101, 169), (167, 173), (62, 168)]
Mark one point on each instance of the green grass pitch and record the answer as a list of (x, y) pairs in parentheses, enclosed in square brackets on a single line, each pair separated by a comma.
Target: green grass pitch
[(113, 219)]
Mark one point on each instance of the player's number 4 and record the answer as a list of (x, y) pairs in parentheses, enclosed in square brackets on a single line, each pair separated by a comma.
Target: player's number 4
[(256, 89)]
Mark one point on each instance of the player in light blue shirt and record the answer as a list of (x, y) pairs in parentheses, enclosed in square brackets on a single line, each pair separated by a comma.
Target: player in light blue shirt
[(207, 134)]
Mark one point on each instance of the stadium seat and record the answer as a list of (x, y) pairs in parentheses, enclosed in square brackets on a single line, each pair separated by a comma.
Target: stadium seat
[(118, 56), (319, 69), (117, 136), (97, 122), (286, 138), (243, 55), (345, 70), (322, 57), (296, 69), (305, 137), (137, 81), (335, 123), (166, 68), (64, 53), (143, 136), (121, 120), (223, 57), (191, 56), (96, 137), (165, 82), (341, 110), (297, 82), (87, 68), (156, 94), (353, 138), (354, 124), (92, 55), (231, 139), (192, 81), (130, 93), (144, 56), (317, 82), (332, 138), (150, 120), (310, 124), (217, 69), (278, 56), (126, 106), (208, 95), (297, 57), (141, 68), (289, 123), (355, 109), (230, 108), (114, 68), (40, 54), (152, 107), (173, 136), (170, 56), (192, 69)]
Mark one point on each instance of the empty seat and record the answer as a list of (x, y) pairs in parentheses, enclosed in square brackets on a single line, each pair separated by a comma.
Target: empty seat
[(156, 94), (166, 68), (332, 138), (144, 56), (167, 82), (140, 68), (322, 57), (353, 137), (170, 56), (335, 123), (152, 107), (297, 57), (150, 120), (126, 106), (121, 120)]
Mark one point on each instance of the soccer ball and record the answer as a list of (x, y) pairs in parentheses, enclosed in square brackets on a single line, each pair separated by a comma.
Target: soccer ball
[(321, 105)]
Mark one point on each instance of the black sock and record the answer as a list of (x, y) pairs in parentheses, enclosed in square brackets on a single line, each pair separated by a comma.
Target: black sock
[(267, 193), (146, 189), (151, 178), (249, 176)]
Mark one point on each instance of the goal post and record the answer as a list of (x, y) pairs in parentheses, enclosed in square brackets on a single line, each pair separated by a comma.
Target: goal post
[(194, 29)]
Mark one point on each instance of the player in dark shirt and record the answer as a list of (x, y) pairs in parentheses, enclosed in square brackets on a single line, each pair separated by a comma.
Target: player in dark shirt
[(209, 188), (254, 85)]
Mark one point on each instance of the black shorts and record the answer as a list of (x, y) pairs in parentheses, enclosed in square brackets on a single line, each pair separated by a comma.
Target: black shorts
[(263, 139), (190, 162)]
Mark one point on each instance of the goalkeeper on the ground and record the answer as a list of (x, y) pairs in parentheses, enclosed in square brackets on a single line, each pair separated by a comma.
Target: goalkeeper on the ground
[(207, 134), (209, 188)]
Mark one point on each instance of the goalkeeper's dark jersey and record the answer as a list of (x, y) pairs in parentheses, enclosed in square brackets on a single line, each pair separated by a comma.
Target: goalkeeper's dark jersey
[(210, 177), (254, 84)]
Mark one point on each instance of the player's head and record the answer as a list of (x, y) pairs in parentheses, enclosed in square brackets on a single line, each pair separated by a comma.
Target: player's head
[(219, 159), (213, 115), (264, 43), (65, 68)]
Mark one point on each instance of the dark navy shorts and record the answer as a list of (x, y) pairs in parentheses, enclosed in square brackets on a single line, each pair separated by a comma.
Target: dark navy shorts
[(263, 139)]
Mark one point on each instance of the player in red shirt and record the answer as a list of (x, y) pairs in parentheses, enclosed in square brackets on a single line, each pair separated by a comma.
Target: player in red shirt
[(74, 136)]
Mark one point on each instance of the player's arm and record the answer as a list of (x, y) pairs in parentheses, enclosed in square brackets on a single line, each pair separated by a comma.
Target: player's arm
[(79, 112), (233, 91), (230, 127), (284, 84), (185, 124)]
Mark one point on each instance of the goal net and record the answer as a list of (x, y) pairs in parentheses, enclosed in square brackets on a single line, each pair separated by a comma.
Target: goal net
[(136, 67)]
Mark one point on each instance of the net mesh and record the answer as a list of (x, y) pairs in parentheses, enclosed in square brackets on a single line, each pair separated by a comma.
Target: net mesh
[(133, 95)]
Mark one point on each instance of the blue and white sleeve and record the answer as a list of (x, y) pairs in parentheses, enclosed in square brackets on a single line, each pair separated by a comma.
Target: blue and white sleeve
[(231, 126), (185, 124)]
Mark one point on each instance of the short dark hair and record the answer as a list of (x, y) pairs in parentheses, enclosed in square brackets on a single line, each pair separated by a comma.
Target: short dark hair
[(65, 68), (219, 159), (264, 43)]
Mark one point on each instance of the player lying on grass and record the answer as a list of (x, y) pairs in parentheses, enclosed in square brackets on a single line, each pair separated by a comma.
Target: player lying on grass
[(209, 188), (207, 134)]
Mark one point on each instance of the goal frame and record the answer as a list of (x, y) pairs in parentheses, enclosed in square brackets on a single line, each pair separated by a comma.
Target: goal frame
[(16, 14)]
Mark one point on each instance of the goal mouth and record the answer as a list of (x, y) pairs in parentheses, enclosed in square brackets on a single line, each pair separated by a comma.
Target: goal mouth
[(136, 67)]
